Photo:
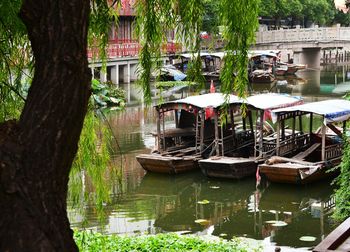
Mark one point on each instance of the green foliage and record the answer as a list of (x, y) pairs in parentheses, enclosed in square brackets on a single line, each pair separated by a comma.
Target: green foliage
[(156, 17), (239, 34), (151, 33), (170, 84), (88, 241), (321, 12), (211, 19), (101, 18), (342, 193), (107, 95), (342, 18), (14, 58), (90, 164)]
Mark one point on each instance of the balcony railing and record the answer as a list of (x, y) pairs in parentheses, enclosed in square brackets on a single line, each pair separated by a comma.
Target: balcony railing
[(131, 48)]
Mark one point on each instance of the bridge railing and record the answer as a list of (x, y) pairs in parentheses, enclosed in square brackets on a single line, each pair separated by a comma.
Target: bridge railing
[(304, 34)]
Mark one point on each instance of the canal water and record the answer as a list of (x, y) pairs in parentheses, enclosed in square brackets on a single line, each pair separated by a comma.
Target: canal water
[(144, 203)]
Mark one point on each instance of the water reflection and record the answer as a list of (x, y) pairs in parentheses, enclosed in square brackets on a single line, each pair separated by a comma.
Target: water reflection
[(159, 203), (151, 203)]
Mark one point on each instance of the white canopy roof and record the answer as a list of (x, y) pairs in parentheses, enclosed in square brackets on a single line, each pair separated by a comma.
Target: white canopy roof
[(220, 55), (191, 55), (214, 100), (336, 110), (271, 101)]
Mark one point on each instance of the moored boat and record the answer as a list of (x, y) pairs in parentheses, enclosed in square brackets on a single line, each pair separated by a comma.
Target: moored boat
[(316, 152), (261, 76), (179, 148), (293, 68), (244, 158)]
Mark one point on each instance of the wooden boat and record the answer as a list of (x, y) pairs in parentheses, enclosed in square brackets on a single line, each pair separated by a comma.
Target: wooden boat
[(281, 70), (293, 68), (247, 152), (337, 240), (261, 76), (211, 63), (179, 149), (316, 152)]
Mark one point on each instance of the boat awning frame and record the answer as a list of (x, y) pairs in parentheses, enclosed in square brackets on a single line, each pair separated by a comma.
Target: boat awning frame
[(335, 110)]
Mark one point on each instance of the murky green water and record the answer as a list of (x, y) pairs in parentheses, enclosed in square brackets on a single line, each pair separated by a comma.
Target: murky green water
[(152, 203)]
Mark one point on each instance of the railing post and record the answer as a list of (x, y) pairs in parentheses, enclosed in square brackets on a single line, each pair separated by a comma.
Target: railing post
[(338, 32)]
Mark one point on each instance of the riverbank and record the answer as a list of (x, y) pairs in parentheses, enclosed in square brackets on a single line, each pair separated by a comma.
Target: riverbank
[(91, 241)]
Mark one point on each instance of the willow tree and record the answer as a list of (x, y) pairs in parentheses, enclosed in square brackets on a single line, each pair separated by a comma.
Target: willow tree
[(37, 150)]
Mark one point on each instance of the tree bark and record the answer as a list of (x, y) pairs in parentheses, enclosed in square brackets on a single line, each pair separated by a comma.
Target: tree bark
[(37, 152)]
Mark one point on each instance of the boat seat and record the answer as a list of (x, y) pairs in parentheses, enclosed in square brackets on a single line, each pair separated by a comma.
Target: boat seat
[(302, 155)]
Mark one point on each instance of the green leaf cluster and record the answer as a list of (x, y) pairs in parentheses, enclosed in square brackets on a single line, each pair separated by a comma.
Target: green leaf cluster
[(88, 241), (107, 95), (240, 19), (342, 193), (321, 12), (91, 165), (15, 60)]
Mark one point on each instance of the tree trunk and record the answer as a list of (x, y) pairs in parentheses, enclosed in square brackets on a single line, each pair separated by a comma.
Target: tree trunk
[(37, 153)]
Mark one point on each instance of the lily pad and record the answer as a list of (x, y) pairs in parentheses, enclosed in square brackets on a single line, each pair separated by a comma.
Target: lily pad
[(307, 238), (203, 202), (280, 224), (202, 221)]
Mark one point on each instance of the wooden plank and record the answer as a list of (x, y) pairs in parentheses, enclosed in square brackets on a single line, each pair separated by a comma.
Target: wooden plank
[(311, 119), (335, 130), (302, 155), (277, 159), (216, 135), (335, 240), (323, 153), (278, 136), (176, 118), (261, 133), (158, 131)]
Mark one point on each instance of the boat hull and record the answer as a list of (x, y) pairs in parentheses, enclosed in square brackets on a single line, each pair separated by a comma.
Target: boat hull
[(292, 173), (228, 167), (167, 164)]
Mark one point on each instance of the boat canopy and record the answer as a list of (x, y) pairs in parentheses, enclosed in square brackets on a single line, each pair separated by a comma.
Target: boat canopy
[(190, 56), (335, 110), (268, 54), (213, 100), (220, 55), (270, 101)]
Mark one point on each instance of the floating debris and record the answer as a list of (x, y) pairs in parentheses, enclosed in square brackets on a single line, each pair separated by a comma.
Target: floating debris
[(222, 235), (215, 187), (202, 221), (270, 221), (203, 202), (280, 224), (308, 238), (184, 232)]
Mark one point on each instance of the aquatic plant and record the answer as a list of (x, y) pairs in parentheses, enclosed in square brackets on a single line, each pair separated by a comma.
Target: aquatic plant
[(89, 241), (107, 95)]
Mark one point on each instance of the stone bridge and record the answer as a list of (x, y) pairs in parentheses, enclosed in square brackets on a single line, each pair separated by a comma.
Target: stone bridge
[(306, 44)]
